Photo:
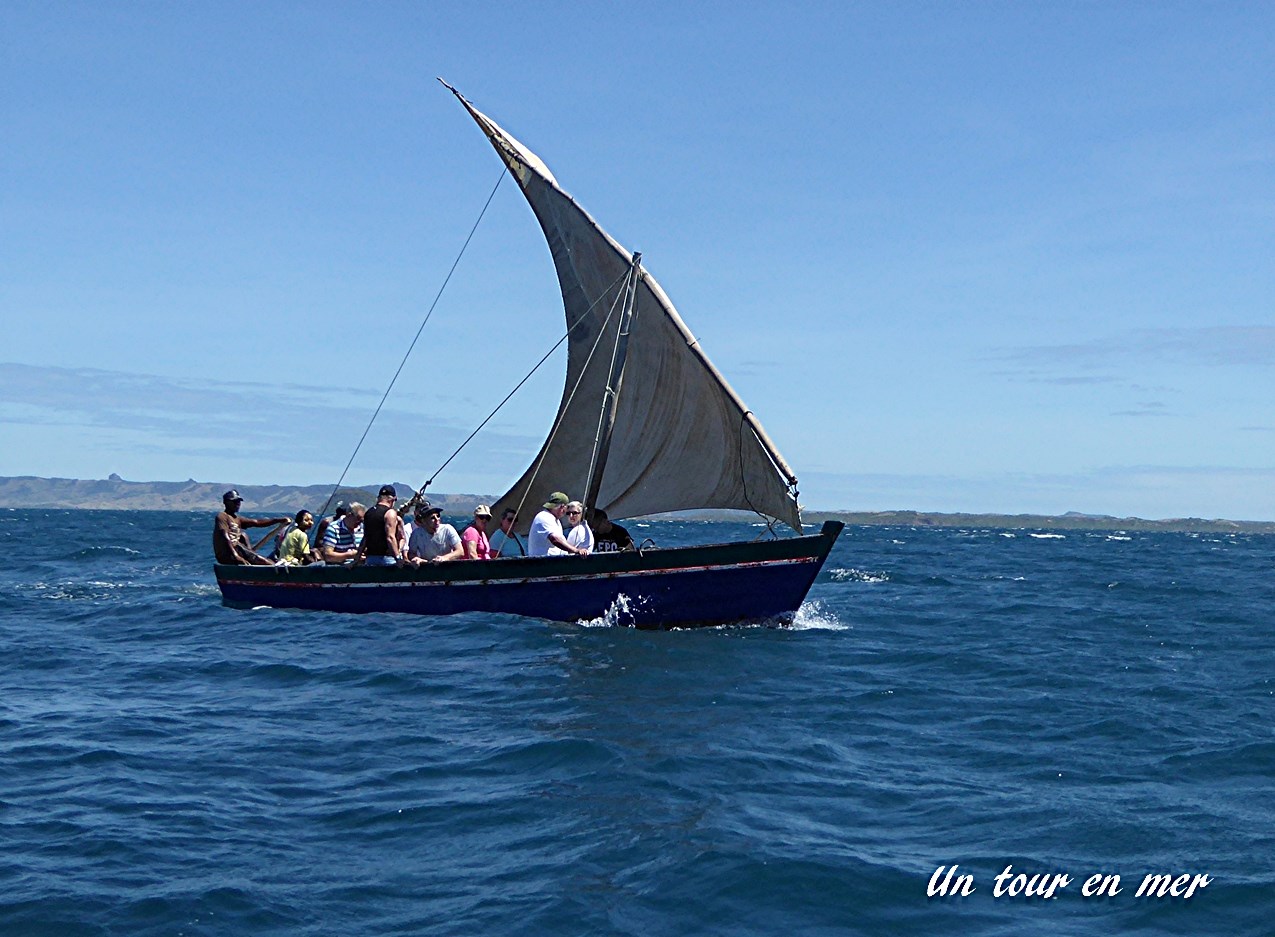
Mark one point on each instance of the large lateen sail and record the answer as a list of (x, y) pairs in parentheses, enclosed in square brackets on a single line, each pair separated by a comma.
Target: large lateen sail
[(681, 438)]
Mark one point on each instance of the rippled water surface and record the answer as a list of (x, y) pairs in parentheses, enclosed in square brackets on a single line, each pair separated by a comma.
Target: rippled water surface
[(1091, 703)]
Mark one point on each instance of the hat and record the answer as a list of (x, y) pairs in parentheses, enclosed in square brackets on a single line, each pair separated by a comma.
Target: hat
[(231, 495), (340, 510), (387, 490), (557, 499), (431, 509), (482, 511)]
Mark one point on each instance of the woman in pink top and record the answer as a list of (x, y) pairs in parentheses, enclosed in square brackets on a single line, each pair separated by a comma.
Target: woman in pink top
[(474, 539)]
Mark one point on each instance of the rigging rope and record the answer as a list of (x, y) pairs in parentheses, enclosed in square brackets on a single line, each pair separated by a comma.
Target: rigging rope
[(518, 386), (743, 478), (630, 301), (415, 339), (557, 424)]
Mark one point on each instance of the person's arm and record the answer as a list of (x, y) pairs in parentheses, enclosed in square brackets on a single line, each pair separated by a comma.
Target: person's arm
[(470, 543), (391, 531), (263, 521), (561, 543), (414, 547), (330, 553), (455, 553)]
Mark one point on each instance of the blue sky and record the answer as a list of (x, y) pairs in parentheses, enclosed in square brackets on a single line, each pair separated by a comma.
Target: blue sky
[(957, 256)]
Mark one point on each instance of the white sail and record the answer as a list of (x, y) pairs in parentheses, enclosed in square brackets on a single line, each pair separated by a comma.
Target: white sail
[(682, 438)]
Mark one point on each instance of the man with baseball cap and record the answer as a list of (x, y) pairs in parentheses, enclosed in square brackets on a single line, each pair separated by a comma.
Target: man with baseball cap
[(230, 544), (546, 529), (432, 540), (380, 546)]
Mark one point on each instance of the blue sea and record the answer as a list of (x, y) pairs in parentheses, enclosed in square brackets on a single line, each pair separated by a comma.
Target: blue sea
[(1087, 704)]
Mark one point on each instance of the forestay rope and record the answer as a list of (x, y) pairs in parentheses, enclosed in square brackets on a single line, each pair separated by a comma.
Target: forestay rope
[(415, 339)]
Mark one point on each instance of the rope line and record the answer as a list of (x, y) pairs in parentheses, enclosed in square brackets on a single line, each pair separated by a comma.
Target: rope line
[(557, 424), (518, 386), (415, 339)]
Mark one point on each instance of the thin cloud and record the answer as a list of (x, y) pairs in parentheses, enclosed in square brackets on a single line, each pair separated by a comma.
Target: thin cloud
[(202, 417), (1214, 346), (1151, 408)]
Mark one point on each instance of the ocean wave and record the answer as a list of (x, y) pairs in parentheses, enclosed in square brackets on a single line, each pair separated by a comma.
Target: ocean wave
[(103, 552)]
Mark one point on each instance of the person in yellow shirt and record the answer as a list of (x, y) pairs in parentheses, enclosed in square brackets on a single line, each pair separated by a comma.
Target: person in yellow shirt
[(296, 546)]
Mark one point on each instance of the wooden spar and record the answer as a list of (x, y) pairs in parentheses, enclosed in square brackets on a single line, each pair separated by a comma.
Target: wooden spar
[(611, 399), (270, 533)]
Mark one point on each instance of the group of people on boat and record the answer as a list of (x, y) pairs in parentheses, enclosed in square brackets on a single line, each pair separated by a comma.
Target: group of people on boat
[(383, 536)]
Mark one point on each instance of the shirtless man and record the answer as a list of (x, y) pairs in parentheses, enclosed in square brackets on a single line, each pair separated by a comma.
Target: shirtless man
[(230, 543)]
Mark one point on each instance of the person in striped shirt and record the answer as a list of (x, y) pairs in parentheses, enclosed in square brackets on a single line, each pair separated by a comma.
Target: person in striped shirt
[(341, 539)]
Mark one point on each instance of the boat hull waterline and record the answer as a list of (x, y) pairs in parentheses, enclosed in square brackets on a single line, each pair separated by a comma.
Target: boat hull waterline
[(658, 588)]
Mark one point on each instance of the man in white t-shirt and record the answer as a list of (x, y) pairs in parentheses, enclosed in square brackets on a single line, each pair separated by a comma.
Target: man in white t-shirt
[(433, 541), (546, 529)]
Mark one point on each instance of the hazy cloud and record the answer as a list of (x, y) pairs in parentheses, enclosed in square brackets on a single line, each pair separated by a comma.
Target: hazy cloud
[(1151, 408), (200, 417), (1217, 346)]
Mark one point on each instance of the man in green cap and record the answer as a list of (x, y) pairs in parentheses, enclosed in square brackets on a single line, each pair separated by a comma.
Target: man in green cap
[(546, 529)]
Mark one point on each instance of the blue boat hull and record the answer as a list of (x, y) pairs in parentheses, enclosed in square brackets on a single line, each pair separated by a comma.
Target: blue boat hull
[(678, 587)]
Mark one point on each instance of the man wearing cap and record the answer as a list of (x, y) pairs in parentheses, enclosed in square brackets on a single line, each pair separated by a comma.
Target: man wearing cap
[(380, 545), (432, 540), (230, 544), (474, 539), (546, 529)]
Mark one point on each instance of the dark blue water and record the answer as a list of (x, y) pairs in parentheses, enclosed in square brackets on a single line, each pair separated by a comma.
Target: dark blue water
[(1079, 705)]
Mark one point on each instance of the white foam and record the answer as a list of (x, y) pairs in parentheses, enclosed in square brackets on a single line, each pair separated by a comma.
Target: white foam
[(812, 616), (619, 615), (858, 575), (1048, 536)]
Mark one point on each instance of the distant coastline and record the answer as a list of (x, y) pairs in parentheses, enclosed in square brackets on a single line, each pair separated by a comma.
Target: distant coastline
[(117, 494)]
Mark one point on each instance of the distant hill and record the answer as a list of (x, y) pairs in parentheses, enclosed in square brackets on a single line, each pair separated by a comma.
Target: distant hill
[(1072, 520), (116, 494)]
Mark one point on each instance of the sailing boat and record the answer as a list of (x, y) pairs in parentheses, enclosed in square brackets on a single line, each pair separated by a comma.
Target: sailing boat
[(646, 425)]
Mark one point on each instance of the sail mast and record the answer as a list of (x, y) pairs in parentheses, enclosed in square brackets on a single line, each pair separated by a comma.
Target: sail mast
[(611, 398)]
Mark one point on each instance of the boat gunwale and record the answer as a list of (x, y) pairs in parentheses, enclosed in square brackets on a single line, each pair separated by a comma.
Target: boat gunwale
[(809, 547)]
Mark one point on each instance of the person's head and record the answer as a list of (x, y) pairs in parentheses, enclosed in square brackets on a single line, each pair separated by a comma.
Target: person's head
[(601, 523), (354, 516), (341, 510), (507, 519), (482, 514), (557, 504), (304, 519), (575, 512), (431, 518), (387, 495), (232, 499)]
